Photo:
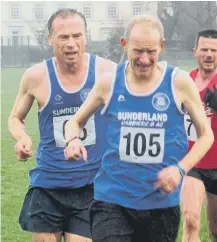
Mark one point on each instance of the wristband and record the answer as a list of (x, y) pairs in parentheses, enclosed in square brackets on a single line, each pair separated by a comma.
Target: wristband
[(181, 169), (70, 139)]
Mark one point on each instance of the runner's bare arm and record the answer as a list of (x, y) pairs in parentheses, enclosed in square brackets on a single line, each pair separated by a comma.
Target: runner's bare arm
[(21, 107), (188, 95), (97, 97)]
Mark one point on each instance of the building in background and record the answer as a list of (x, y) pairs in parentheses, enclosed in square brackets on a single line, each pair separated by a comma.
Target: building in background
[(24, 33), (30, 18)]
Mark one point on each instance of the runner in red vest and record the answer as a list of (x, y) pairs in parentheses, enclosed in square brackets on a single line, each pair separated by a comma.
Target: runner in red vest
[(203, 178)]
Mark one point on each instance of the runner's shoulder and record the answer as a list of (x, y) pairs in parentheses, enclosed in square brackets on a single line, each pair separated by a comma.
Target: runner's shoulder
[(104, 65), (35, 75)]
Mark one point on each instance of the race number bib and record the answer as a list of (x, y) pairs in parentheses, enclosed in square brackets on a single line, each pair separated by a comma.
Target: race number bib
[(141, 145), (190, 129), (88, 134)]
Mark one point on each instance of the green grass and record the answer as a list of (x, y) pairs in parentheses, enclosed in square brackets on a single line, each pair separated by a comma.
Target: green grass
[(15, 173)]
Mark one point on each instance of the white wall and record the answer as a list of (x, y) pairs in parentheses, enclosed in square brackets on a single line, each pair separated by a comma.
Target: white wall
[(98, 22)]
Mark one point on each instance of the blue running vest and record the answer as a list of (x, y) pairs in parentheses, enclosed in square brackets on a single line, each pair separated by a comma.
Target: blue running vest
[(52, 169), (145, 134)]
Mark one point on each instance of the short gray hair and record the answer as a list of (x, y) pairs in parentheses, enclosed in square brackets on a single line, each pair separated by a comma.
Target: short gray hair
[(149, 20), (64, 12)]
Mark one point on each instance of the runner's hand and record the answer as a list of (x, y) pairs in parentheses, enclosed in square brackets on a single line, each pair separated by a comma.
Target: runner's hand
[(75, 150), (168, 179), (23, 148)]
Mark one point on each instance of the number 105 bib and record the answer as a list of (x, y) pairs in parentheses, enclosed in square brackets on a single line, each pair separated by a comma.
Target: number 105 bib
[(141, 145)]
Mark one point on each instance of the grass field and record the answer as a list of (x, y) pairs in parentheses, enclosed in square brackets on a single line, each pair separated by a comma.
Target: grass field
[(15, 173)]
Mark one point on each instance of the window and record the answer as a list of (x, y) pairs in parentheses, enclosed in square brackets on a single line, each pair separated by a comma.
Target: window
[(39, 11), (15, 37), (87, 10), (15, 32), (112, 10), (15, 40), (15, 11), (137, 8), (88, 34)]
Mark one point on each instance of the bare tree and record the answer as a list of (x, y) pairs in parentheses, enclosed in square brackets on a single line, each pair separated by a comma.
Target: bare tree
[(40, 32), (202, 13), (112, 46), (182, 20), (169, 13)]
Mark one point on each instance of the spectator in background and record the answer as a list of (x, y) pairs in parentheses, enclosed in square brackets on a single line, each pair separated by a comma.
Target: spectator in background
[(202, 179)]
